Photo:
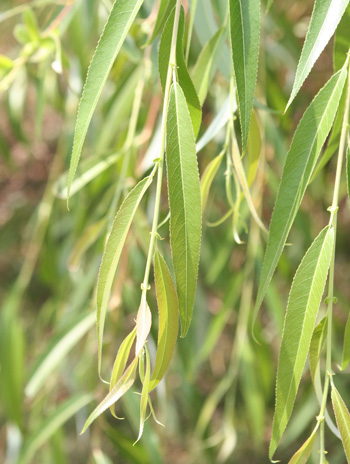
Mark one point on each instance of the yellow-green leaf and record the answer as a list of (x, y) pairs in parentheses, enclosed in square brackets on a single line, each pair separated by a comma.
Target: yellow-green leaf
[(343, 420), (208, 177), (304, 452)]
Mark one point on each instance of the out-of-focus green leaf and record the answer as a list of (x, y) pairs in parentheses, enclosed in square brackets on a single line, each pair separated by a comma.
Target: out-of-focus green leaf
[(348, 170), (184, 78), (203, 70), (52, 423), (184, 201), (164, 11), (346, 346), (168, 327), (304, 452), (343, 420), (245, 37), (317, 341), (56, 352), (303, 305), (324, 21), (208, 177), (100, 457), (112, 252), (341, 40), (307, 142), (117, 26)]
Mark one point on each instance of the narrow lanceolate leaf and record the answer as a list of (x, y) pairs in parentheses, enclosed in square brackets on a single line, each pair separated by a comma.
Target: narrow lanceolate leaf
[(308, 140), (343, 420), (50, 425), (112, 252), (144, 394), (346, 345), (183, 76), (185, 202), (304, 301), (143, 326), (208, 177), (205, 66), (317, 342), (324, 21), (168, 310), (304, 452), (342, 40), (114, 33), (245, 37), (164, 10)]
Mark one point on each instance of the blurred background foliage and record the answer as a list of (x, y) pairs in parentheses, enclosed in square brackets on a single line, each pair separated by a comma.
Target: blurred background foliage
[(217, 400)]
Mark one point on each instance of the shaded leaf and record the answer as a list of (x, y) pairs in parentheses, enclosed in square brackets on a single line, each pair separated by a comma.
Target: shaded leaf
[(113, 35), (348, 170), (303, 305), (245, 38), (343, 420), (208, 177), (324, 21), (184, 201), (300, 162), (346, 346), (317, 342), (304, 452), (168, 310), (342, 40)]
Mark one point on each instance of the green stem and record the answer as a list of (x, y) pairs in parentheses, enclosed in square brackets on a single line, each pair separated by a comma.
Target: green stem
[(160, 161), (330, 298)]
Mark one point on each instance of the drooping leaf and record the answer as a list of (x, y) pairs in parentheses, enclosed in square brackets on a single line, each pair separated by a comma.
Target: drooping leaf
[(204, 68), (53, 422), (304, 452), (303, 305), (343, 420), (184, 201), (164, 10), (341, 40), (324, 21), (168, 310), (253, 148), (112, 252), (208, 177), (346, 346), (56, 352), (301, 159), (184, 78), (144, 394), (317, 342), (245, 38), (143, 326), (114, 33)]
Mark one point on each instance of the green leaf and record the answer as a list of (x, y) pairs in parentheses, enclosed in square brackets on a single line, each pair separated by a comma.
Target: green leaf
[(53, 422), (112, 252), (341, 41), (324, 21), (317, 342), (185, 202), (346, 345), (304, 452), (114, 33), (343, 420), (303, 304), (144, 395), (164, 11), (208, 177), (183, 76), (204, 68), (245, 38), (253, 148), (143, 326), (301, 159), (56, 352), (168, 310)]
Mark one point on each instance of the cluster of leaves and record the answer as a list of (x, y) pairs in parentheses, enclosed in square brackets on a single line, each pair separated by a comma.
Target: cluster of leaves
[(235, 39)]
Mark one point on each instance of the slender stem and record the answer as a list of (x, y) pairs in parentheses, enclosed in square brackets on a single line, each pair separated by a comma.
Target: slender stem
[(160, 161), (330, 298)]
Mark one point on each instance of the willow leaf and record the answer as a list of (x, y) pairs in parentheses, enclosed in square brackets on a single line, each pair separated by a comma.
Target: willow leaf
[(113, 35), (253, 148), (51, 424), (184, 78), (164, 10), (346, 345), (317, 342), (208, 177), (143, 326), (343, 420), (324, 21), (304, 452), (245, 38), (204, 68), (144, 394), (168, 309), (303, 304), (306, 145), (341, 40), (112, 252), (184, 201)]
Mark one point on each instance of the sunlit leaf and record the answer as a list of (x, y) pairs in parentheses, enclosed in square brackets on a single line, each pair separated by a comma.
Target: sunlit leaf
[(303, 305), (184, 201), (144, 394), (143, 326), (343, 420), (324, 21), (301, 160), (304, 452), (168, 310), (245, 38), (114, 33), (208, 177)]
